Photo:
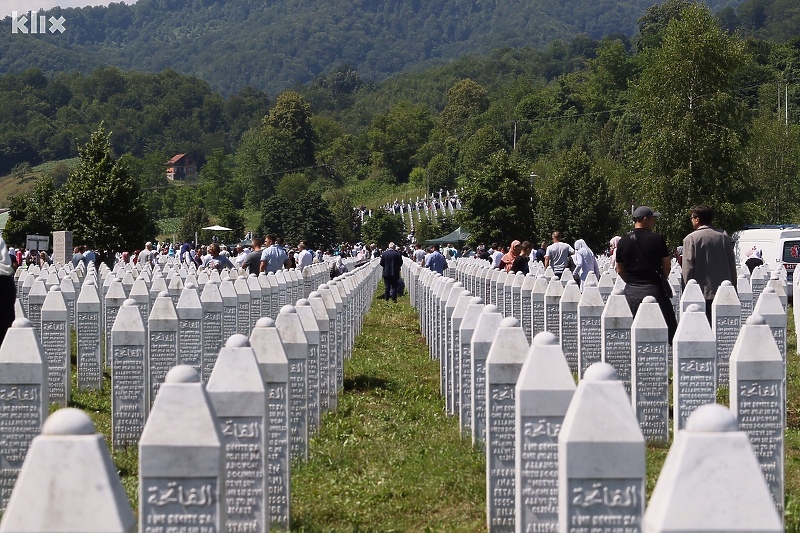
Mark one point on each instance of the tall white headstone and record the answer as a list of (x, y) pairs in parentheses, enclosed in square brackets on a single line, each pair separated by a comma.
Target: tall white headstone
[(23, 400), (162, 343), (503, 364), (181, 459), (190, 328), (601, 458), (649, 371), (129, 400), (543, 393), (295, 344), (694, 365), (56, 345), (617, 320), (726, 319), (482, 339), (710, 481), (590, 313), (89, 334)]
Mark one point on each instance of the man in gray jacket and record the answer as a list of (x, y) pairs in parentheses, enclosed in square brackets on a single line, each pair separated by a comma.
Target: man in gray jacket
[(707, 255)]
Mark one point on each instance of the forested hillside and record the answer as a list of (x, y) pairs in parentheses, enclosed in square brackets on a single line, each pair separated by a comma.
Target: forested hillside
[(273, 45), (565, 137)]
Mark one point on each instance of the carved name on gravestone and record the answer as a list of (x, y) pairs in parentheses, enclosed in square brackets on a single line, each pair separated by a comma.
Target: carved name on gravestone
[(89, 339), (36, 297), (23, 400), (112, 301), (129, 403), (236, 391), (455, 350), (526, 308), (537, 305), (243, 306), (694, 365), (649, 371), (601, 453), (466, 330), (543, 394), (334, 358), (181, 464), (758, 398)]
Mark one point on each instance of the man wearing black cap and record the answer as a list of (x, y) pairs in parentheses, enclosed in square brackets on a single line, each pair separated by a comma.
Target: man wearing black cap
[(642, 261)]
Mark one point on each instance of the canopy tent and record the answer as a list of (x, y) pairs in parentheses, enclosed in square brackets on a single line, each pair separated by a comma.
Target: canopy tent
[(457, 236), (217, 228)]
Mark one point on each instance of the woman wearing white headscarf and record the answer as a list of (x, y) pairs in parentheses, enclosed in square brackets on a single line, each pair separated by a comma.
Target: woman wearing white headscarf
[(755, 258), (585, 261), (613, 251), (8, 290)]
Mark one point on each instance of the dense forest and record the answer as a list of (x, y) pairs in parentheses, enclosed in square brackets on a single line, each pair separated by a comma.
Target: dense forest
[(567, 137), (273, 45)]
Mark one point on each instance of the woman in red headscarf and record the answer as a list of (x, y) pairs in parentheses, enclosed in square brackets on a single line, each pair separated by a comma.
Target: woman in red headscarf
[(507, 261)]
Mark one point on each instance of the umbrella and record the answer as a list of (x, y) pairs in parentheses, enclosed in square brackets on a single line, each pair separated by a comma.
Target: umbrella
[(218, 228)]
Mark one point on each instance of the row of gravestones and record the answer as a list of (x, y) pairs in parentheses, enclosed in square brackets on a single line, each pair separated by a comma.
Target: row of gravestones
[(213, 457), (516, 414)]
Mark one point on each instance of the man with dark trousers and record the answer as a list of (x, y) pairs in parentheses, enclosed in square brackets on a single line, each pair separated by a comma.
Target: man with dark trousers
[(391, 261)]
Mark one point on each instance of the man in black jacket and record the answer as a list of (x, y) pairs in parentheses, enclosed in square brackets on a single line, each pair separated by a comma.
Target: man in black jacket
[(391, 261)]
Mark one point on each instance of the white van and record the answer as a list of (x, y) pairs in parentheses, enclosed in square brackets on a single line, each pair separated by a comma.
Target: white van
[(780, 246)]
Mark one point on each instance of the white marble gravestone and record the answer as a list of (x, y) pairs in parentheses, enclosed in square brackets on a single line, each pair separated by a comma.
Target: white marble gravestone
[(465, 332), (295, 344), (710, 481), (274, 367), (190, 328), (112, 301), (181, 457), (590, 313), (230, 304), (236, 391), (726, 319), (693, 365), (36, 297), (89, 334), (211, 300), (482, 339), (68, 483), (503, 364), (770, 308), (543, 393), (745, 295), (692, 294), (601, 458), (616, 322), (568, 323), (311, 329), (649, 371), (55, 340), (552, 316), (162, 343), (758, 399), (129, 400), (24, 400)]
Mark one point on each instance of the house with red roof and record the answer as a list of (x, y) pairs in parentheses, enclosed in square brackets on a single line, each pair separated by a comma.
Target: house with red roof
[(181, 167)]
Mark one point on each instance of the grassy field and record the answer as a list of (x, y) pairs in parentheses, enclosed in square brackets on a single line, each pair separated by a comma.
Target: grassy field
[(390, 460)]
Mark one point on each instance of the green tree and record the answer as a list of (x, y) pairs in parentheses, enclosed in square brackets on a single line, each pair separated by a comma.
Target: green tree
[(496, 202), (394, 138), (347, 223), (465, 100), (31, 213), (193, 220), (298, 219), (292, 114), (693, 124), (383, 228), (576, 201), (101, 203), (773, 163)]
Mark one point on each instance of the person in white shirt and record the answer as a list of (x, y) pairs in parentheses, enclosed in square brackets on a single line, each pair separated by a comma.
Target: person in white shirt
[(557, 254), (497, 255), (305, 257)]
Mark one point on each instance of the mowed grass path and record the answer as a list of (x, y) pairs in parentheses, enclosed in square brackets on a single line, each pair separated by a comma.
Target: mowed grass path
[(390, 459)]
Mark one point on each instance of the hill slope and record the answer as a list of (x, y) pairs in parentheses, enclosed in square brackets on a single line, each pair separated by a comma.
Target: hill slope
[(275, 44)]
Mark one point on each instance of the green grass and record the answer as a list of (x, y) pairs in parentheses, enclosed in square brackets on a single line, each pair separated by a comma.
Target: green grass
[(390, 460)]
